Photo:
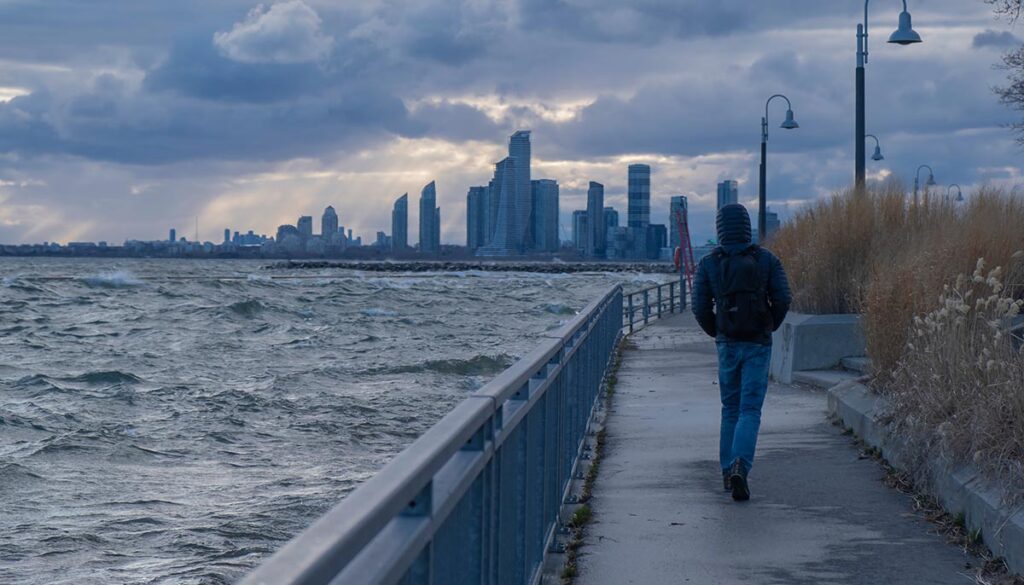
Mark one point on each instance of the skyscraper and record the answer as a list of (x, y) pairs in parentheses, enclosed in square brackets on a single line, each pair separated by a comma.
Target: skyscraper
[(476, 223), (501, 204), (579, 230), (329, 224), (611, 218), (639, 196), (595, 221), (429, 220), (728, 193), (545, 215), (227, 235), (305, 226), (519, 149), (772, 225), (172, 235), (400, 224), (678, 204)]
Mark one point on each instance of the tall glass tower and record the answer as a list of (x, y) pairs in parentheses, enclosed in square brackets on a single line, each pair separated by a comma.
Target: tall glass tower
[(503, 192), (519, 149), (429, 220), (595, 221), (678, 204), (728, 193), (329, 224), (639, 196), (400, 224)]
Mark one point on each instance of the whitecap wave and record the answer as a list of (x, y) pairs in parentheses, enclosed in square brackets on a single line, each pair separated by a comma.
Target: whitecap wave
[(118, 279)]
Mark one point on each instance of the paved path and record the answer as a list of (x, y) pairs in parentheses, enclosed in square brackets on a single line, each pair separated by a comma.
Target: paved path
[(818, 513)]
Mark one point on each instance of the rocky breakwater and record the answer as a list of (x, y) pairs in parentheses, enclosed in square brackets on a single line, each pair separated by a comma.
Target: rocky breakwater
[(443, 266)]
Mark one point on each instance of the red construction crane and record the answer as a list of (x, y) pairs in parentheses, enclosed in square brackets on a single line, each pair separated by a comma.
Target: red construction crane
[(684, 253)]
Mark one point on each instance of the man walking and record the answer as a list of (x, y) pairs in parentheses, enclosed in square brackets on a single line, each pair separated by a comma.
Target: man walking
[(740, 296)]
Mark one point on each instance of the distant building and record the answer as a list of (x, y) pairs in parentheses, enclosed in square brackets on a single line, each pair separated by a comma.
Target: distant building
[(580, 232), (172, 235), (545, 215), (519, 149), (305, 226), (383, 241), (678, 204), (400, 224), (476, 218), (611, 218), (329, 224), (501, 207), (620, 243), (595, 243), (227, 236), (639, 196), (728, 193), (430, 220), (657, 237), (772, 225)]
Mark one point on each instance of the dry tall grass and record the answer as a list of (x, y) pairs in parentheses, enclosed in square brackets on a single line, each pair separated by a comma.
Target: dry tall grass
[(888, 259), (956, 381), (958, 390)]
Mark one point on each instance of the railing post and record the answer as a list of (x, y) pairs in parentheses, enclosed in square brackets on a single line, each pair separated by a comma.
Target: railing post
[(630, 303), (647, 306), (672, 297), (659, 301)]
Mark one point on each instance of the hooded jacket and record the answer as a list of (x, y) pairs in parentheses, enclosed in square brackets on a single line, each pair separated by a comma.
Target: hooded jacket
[(734, 237)]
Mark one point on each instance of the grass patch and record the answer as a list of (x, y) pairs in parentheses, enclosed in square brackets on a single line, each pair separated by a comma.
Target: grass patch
[(584, 515)]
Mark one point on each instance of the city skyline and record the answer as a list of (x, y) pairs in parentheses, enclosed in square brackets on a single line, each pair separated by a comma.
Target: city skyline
[(99, 139)]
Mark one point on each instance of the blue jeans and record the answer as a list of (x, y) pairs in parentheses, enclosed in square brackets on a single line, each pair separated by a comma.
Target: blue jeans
[(743, 381)]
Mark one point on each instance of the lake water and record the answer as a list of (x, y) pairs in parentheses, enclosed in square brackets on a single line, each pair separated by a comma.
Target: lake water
[(177, 421)]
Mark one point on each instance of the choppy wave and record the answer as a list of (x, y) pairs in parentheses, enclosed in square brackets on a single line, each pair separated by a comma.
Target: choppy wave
[(118, 279), (480, 365), (200, 422)]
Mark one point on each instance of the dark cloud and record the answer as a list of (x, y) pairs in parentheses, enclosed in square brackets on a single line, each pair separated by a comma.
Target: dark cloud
[(998, 39), (129, 89), (195, 68)]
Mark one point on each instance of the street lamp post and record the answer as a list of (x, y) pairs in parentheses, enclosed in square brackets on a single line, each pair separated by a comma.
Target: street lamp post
[(904, 35), (917, 180), (762, 193), (878, 149), (959, 193)]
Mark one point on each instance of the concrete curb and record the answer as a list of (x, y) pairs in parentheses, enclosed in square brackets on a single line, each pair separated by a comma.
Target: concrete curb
[(961, 491)]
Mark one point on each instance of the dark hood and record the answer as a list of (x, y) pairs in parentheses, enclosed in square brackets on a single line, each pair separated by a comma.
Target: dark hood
[(733, 224)]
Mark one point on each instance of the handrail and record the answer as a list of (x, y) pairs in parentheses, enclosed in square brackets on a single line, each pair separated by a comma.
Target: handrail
[(672, 301), (475, 499)]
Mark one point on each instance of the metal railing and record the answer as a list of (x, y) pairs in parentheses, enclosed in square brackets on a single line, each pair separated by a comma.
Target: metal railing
[(476, 499), (652, 302)]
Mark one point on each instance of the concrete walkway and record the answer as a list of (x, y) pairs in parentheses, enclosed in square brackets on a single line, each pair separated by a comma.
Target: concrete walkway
[(818, 513)]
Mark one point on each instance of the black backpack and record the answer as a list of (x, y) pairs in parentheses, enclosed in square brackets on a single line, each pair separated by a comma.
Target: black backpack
[(742, 311)]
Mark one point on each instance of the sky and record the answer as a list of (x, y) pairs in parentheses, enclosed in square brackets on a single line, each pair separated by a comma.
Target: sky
[(120, 119)]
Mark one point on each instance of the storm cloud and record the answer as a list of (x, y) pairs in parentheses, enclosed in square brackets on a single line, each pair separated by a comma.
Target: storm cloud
[(251, 114)]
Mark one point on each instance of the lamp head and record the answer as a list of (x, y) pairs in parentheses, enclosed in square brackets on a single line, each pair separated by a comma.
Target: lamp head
[(959, 197), (905, 34), (931, 180), (790, 123), (878, 154)]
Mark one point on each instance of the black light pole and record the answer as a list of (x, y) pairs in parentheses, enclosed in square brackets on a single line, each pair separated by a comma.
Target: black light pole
[(762, 193), (904, 35)]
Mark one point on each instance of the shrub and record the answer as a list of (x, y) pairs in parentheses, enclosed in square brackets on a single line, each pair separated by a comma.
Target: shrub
[(958, 390), (880, 255)]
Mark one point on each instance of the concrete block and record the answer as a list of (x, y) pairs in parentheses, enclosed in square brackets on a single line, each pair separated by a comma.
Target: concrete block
[(814, 342), (960, 490)]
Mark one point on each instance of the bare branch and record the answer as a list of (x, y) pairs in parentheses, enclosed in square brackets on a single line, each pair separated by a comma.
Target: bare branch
[(1011, 9)]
